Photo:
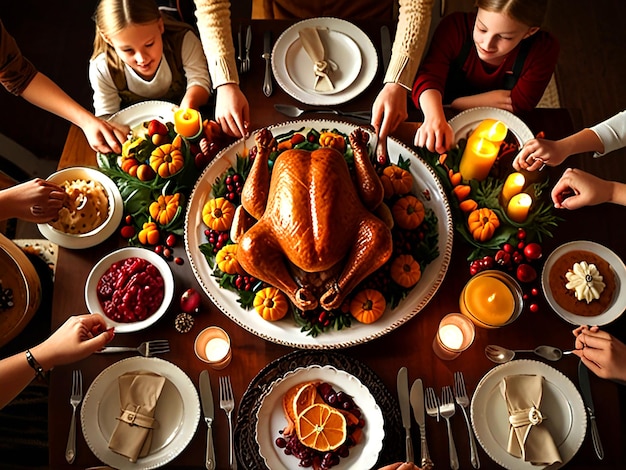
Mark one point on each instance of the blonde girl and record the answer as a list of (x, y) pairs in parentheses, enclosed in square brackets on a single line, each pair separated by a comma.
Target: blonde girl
[(495, 57), (140, 54)]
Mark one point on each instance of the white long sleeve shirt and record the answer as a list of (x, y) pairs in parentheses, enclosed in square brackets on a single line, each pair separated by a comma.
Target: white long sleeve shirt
[(612, 133)]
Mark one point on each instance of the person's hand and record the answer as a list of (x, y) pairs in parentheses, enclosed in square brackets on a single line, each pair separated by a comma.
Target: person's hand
[(388, 111), (436, 135), (232, 111), (538, 152), (601, 352), (400, 466), (105, 136), (36, 201), (577, 188), (77, 338)]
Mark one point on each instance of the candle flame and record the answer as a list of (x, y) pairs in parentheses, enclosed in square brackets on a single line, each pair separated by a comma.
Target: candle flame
[(491, 298)]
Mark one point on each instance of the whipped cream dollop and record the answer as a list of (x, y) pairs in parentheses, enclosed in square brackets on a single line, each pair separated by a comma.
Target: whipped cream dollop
[(586, 281)]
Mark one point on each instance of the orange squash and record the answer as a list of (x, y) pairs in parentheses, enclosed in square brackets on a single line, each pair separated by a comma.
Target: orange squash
[(130, 166), (408, 212), (397, 180), (165, 208), (149, 234), (167, 160), (368, 305), (271, 303), (218, 214), (405, 271), (331, 139), (226, 260), (482, 224)]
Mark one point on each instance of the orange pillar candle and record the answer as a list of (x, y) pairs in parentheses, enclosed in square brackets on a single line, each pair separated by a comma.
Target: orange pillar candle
[(454, 335), (488, 300), (518, 207), (513, 185), (188, 123), (492, 130), (478, 158)]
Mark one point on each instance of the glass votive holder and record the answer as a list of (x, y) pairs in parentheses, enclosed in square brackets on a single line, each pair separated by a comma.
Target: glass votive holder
[(212, 346), (492, 299), (454, 335)]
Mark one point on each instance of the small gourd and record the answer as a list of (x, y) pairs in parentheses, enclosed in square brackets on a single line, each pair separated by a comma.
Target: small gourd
[(333, 140), (408, 212), (405, 271), (167, 160), (149, 234), (271, 303), (396, 180), (165, 208), (226, 260), (368, 305), (130, 165), (218, 213), (482, 224)]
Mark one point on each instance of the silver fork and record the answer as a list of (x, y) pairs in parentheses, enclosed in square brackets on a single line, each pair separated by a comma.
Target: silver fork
[(227, 403), (460, 395), (446, 408), (246, 61), (431, 403), (147, 348), (75, 398)]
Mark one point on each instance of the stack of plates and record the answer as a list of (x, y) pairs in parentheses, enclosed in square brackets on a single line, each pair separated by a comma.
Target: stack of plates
[(346, 47)]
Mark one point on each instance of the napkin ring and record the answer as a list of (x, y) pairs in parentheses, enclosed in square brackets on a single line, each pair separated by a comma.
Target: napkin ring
[(525, 417), (134, 418)]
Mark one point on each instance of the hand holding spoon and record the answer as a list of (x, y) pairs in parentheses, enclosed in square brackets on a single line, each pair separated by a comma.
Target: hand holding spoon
[(500, 355)]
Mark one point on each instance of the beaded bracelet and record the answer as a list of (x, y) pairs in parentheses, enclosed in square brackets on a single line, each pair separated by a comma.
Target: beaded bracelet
[(34, 364)]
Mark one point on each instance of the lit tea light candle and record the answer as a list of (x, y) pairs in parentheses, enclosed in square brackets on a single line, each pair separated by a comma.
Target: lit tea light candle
[(454, 335), (491, 299), (513, 185), (518, 207), (217, 349), (492, 130), (188, 123), (478, 158)]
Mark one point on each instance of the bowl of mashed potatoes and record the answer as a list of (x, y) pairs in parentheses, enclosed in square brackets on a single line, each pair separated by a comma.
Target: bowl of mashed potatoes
[(92, 210)]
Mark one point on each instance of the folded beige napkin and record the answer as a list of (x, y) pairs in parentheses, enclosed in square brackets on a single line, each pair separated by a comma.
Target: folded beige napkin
[(139, 393), (528, 437), (315, 49)]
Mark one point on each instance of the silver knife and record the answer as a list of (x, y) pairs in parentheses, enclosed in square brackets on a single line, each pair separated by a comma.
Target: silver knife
[(267, 55), (239, 49), (206, 397), (385, 41), (585, 388), (405, 409), (417, 402)]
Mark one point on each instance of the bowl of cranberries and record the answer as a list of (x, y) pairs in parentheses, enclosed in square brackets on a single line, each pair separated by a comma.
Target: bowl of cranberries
[(132, 287)]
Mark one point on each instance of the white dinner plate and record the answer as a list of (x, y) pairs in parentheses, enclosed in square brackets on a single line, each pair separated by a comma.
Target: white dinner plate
[(426, 187), (271, 419), (342, 53), (464, 123), (177, 412), (561, 404), (616, 308), (290, 63), (135, 115)]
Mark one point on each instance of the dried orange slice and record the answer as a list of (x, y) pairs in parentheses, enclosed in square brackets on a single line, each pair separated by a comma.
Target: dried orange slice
[(288, 408), (321, 427), (305, 397)]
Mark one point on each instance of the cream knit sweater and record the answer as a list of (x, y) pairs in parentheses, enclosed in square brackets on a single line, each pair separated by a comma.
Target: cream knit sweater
[(408, 46)]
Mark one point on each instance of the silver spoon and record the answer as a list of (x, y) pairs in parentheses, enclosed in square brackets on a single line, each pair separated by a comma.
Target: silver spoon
[(500, 355), (294, 111)]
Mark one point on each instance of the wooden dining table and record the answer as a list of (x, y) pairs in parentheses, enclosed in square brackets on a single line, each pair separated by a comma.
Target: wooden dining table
[(408, 345)]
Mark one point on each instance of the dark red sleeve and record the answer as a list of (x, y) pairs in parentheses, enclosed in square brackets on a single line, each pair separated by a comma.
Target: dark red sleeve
[(445, 46), (536, 73), (16, 71)]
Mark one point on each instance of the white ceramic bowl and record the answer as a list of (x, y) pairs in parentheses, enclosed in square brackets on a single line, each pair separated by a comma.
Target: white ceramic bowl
[(100, 233), (91, 295)]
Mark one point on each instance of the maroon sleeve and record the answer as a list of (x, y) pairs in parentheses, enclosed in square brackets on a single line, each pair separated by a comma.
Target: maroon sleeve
[(16, 71), (445, 46), (536, 73)]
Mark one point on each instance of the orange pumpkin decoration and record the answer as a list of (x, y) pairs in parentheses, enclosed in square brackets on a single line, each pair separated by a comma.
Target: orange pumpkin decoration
[(396, 180), (331, 139), (149, 234), (167, 160), (218, 214), (368, 305), (130, 166), (226, 260), (468, 205), (271, 303), (482, 224), (408, 212), (165, 208), (405, 271)]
